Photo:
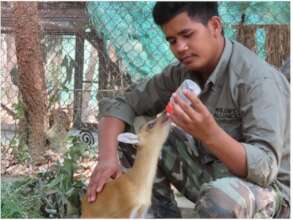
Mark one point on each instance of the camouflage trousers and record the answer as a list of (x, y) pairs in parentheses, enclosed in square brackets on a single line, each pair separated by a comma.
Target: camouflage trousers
[(207, 182)]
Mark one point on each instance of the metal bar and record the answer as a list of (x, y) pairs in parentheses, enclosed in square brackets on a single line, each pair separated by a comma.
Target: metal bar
[(78, 78)]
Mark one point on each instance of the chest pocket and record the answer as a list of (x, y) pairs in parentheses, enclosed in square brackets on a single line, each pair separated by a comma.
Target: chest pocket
[(229, 119)]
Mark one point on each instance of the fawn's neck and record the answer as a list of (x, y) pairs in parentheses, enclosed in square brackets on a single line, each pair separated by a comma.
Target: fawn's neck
[(145, 166)]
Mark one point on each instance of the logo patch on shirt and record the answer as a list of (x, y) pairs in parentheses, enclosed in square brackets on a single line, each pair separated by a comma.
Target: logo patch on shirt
[(227, 113)]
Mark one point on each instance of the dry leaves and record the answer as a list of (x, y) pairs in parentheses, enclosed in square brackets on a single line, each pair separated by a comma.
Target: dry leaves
[(10, 166)]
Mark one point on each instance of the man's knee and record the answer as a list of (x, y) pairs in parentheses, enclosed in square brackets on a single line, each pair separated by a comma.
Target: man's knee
[(225, 198)]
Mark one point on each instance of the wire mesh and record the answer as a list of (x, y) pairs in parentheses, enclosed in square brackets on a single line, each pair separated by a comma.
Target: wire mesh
[(120, 46)]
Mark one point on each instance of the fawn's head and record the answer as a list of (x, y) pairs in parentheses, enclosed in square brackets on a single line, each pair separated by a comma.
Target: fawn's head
[(154, 132)]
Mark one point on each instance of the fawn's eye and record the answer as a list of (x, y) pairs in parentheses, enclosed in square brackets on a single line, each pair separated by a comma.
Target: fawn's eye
[(151, 125)]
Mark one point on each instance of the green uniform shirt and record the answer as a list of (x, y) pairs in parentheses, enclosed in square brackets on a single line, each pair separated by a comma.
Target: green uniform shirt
[(248, 98)]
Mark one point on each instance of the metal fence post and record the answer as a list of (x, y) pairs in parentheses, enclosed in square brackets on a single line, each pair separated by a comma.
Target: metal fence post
[(78, 78)]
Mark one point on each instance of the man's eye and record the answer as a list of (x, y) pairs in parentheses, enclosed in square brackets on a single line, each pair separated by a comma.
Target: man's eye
[(188, 35)]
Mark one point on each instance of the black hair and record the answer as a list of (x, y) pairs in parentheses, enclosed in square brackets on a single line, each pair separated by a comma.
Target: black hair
[(163, 12)]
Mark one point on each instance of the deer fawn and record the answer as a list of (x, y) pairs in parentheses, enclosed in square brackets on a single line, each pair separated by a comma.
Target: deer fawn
[(129, 196)]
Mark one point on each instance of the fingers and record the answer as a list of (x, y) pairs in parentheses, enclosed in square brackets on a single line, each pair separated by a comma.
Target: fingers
[(179, 109), (101, 182), (102, 173), (92, 188), (178, 115), (184, 110), (195, 101), (91, 192), (96, 185)]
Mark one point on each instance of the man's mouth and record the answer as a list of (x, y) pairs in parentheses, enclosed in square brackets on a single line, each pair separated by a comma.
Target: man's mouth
[(186, 59)]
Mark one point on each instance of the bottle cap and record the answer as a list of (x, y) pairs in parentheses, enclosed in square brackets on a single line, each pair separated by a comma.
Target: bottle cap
[(169, 108)]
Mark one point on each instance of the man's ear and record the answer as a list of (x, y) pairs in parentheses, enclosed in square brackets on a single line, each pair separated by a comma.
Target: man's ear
[(128, 138), (215, 26)]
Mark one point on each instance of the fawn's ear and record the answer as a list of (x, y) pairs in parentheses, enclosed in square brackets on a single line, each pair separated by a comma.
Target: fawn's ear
[(128, 138)]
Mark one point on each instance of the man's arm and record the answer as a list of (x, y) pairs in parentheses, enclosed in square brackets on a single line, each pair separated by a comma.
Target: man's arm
[(265, 110), (108, 162), (229, 151), (201, 125)]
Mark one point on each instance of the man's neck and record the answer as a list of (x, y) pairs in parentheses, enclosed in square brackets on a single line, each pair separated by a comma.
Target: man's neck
[(205, 74)]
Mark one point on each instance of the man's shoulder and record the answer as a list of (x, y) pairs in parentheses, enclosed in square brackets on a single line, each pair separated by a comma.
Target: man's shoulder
[(175, 67), (247, 65), (247, 70)]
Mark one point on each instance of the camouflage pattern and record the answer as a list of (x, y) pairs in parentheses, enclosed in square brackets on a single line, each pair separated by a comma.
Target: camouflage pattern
[(249, 100), (204, 180)]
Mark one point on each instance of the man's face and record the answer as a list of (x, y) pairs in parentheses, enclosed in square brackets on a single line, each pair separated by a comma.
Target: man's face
[(194, 44)]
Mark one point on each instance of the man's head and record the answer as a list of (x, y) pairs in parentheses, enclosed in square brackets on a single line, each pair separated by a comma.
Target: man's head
[(194, 32), (201, 11)]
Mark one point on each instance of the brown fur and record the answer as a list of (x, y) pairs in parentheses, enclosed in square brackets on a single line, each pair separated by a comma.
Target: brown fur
[(130, 194)]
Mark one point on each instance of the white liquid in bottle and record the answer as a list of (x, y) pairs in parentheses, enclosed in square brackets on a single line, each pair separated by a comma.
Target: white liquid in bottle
[(186, 85)]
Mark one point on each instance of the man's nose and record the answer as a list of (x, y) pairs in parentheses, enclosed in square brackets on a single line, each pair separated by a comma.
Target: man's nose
[(181, 46)]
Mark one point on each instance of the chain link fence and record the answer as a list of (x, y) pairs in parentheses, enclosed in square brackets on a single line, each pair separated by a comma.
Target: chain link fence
[(97, 49)]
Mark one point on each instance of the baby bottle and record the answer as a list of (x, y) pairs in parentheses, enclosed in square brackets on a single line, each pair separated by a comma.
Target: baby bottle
[(186, 85)]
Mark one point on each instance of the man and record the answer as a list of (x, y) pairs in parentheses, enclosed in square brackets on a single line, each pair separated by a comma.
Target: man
[(230, 151)]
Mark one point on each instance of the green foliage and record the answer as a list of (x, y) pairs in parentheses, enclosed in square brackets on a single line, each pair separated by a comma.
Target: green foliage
[(66, 169), (52, 194), (61, 193), (19, 109), (18, 144), (19, 201), (20, 150)]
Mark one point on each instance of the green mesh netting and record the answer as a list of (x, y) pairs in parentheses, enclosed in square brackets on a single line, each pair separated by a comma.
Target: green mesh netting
[(140, 44), (129, 27)]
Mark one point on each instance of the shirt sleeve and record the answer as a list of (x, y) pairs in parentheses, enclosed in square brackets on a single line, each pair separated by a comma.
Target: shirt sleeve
[(148, 98), (264, 111)]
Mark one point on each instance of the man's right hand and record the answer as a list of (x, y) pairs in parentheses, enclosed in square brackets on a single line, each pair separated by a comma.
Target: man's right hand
[(103, 172)]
